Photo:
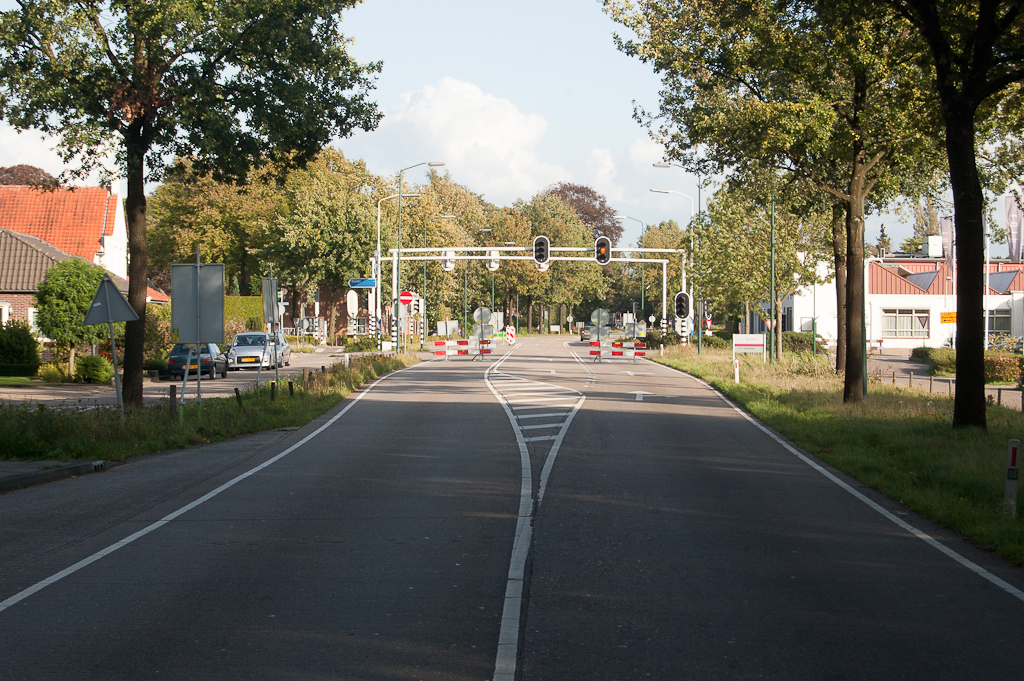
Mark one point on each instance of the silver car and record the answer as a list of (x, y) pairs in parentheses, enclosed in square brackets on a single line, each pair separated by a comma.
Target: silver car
[(250, 350)]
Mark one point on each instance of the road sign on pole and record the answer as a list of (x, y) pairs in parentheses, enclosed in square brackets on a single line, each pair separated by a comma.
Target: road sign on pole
[(405, 297), (362, 283)]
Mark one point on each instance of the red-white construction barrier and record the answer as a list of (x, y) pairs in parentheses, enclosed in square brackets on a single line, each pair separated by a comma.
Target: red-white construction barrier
[(628, 349), (473, 347)]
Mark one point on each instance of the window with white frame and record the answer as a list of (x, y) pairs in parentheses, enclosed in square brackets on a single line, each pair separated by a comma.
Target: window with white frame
[(999, 321), (5, 312), (906, 323)]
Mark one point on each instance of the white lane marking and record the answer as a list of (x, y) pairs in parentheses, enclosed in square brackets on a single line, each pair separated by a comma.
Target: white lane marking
[(541, 399), (637, 373), (39, 586), (543, 425), (923, 536), (552, 391), (536, 406), (538, 438), (508, 635), (541, 416), (640, 395)]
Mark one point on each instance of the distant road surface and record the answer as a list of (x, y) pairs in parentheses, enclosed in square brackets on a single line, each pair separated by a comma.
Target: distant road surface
[(534, 516)]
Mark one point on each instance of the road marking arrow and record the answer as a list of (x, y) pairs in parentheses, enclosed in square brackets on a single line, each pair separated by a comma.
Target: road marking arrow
[(640, 395)]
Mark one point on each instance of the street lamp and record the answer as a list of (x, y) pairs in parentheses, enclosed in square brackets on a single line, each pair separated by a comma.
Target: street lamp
[(423, 294), (398, 257), (697, 317), (379, 319), (643, 283), (465, 290)]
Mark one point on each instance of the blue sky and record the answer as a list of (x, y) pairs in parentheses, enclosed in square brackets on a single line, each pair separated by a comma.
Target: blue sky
[(513, 96)]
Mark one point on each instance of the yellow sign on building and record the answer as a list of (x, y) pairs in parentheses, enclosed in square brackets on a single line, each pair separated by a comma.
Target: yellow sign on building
[(948, 317)]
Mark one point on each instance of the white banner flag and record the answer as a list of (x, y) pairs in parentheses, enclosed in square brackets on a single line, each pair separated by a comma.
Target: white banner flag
[(946, 229), (1013, 227)]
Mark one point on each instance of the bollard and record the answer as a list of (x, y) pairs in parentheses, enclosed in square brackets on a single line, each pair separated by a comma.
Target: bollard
[(346, 361), (323, 369), (736, 370), (949, 384), (291, 389), (238, 397), (1012, 472), (273, 390), (999, 396), (894, 378), (931, 381), (911, 384), (174, 398), (305, 376)]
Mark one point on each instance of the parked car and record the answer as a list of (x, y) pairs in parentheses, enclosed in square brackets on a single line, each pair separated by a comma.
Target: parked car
[(584, 334), (250, 350), (211, 360)]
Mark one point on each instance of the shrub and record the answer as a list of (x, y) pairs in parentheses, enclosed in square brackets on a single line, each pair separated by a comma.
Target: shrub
[(360, 343), (1001, 367), (155, 365), (93, 369), (716, 342), (52, 373), (19, 351), (797, 341)]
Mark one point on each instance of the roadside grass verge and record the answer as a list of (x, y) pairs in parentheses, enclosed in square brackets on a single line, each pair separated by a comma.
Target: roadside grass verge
[(899, 441), (18, 380), (64, 434)]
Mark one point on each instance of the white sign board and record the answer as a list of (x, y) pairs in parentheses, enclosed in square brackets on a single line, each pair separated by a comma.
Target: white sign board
[(749, 343), (197, 303)]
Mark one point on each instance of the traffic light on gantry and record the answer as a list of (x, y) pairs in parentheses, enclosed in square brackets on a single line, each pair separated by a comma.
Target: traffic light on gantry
[(541, 250), (603, 250), (682, 304)]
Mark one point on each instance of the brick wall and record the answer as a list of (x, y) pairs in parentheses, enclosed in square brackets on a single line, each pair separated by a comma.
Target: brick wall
[(19, 304)]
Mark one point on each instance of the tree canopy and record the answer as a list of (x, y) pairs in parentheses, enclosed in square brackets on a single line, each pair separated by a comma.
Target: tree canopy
[(229, 85)]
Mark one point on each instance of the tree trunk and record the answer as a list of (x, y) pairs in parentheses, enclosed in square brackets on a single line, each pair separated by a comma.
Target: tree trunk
[(138, 266), (969, 203), (839, 254), (853, 381)]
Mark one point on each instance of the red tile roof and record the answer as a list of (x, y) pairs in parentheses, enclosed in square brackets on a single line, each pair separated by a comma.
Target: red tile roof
[(72, 220)]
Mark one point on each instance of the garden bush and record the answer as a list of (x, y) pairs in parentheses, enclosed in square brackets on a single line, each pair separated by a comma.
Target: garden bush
[(797, 341), (93, 369), (52, 373), (1001, 367), (19, 351)]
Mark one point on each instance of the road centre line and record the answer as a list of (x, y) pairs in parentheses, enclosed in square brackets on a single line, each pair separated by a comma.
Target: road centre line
[(509, 633), (923, 536), (39, 586)]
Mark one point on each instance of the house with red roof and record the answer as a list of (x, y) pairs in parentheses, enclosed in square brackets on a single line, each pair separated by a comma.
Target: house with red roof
[(39, 228), (910, 302), (87, 222)]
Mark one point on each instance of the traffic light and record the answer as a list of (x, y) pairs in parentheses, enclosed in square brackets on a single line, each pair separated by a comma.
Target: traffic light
[(541, 250), (603, 250), (682, 303)]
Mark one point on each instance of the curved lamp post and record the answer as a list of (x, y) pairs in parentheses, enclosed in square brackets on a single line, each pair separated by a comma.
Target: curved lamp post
[(423, 294), (376, 264), (398, 257)]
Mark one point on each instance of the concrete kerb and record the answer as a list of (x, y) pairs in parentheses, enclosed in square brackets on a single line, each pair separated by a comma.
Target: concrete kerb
[(15, 475)]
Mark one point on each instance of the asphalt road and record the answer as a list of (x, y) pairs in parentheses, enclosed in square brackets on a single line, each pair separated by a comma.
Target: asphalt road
[(537, 516)]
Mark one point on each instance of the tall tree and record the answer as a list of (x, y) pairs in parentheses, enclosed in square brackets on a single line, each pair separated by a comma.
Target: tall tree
[(63, 299), (230, 221), (977, 51), (27, 175), (229, 84), (823, 90), (734, 243), (591, 207)]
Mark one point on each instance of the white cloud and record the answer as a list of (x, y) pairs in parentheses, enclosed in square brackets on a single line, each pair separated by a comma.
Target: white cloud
[(487, 142), (643, 151), (35, 149)]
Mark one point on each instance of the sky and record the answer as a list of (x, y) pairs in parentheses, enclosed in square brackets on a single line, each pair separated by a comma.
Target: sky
[(511, 96)]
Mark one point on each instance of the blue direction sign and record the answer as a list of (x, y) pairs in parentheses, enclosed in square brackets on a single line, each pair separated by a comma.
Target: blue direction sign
[(362, 283)]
